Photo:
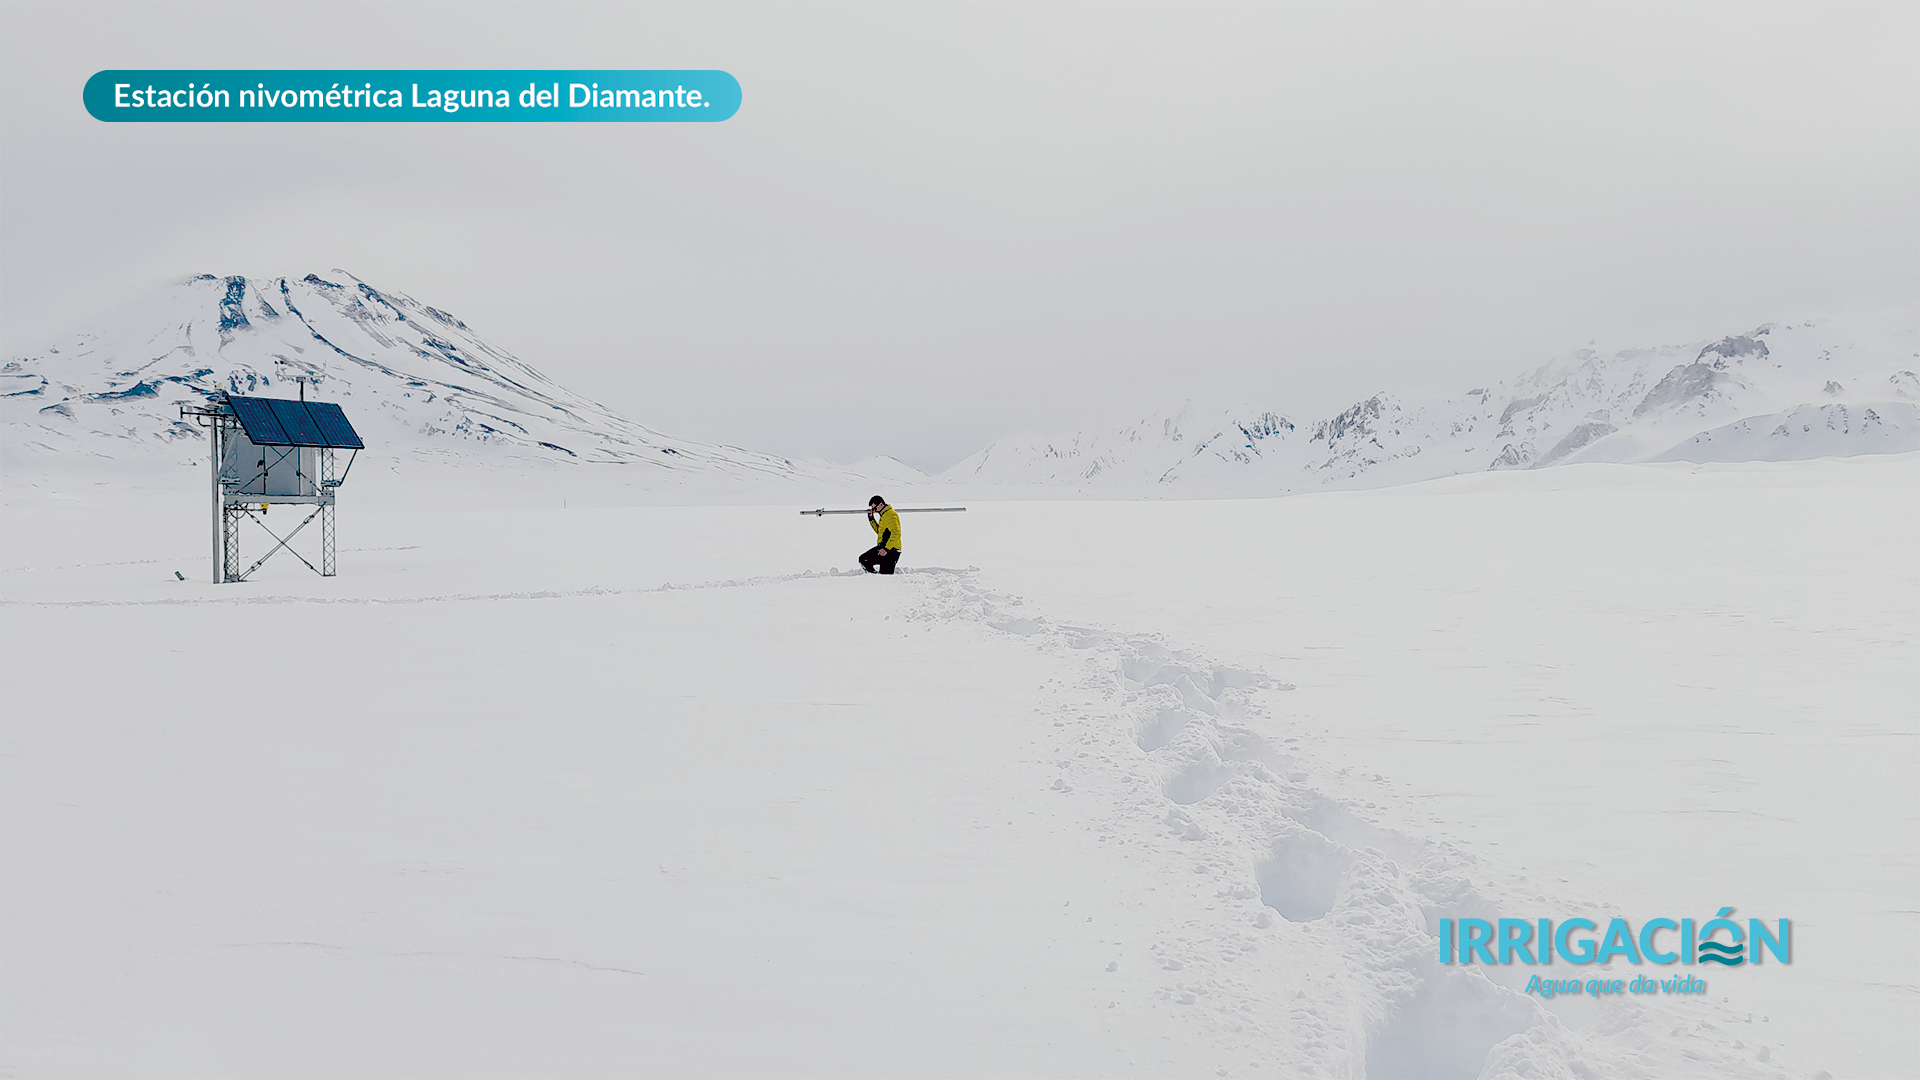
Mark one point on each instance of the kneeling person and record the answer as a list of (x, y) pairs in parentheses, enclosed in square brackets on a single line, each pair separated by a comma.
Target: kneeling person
[(883, 556)]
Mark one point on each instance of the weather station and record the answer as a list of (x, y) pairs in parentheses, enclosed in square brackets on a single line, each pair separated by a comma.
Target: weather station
[(265, 451)]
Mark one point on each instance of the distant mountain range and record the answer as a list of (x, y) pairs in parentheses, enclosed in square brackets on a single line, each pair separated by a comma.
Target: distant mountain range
[(411, 377), (418, 381), (1774, 393)]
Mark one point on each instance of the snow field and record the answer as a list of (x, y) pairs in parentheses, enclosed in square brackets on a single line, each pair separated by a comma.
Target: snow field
[(556, 811), (1626, 690), (757, 830)]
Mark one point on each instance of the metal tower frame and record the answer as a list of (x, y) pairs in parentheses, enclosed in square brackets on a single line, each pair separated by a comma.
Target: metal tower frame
[(232, 504)]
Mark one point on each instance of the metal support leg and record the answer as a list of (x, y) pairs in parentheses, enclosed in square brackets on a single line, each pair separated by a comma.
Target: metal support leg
[(219, 505), (232, 514), (326, 541)]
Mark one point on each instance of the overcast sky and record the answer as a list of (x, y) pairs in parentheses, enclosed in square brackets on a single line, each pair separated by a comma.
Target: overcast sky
[(930, 226)]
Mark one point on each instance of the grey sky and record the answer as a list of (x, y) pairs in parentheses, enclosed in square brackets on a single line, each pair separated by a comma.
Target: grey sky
[(930, 226)]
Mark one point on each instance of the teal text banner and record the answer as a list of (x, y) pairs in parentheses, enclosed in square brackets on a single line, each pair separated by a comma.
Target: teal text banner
[(385, 97)]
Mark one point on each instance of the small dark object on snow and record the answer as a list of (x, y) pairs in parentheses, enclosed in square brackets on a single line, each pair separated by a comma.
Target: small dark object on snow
[(180, 575)]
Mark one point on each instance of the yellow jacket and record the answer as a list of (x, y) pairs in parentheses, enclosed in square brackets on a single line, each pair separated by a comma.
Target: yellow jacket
[(887, 528)]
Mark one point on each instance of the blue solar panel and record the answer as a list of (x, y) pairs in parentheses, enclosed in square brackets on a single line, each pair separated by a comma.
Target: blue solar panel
[(257, 418), (333, 426), (298, 422), (274, 422)]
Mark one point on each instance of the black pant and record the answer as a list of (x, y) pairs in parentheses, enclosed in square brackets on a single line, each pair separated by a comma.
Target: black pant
[(881, 559)]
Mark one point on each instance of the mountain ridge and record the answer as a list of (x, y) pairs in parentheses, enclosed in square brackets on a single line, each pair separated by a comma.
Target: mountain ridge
[(1814, 390), (418, 380), (413, 377)]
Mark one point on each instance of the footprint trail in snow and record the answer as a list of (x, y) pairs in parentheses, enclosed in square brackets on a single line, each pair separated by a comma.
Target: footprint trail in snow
[(1298, 930)]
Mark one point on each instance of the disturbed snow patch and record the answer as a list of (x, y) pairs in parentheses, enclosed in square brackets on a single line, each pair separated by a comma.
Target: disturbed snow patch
[(1305, 933)]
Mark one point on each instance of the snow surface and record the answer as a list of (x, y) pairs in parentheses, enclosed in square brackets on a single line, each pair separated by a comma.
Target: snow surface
[(1127, 788)]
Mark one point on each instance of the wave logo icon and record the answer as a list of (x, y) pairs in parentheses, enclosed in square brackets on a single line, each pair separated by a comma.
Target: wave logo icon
[(1733, 952)]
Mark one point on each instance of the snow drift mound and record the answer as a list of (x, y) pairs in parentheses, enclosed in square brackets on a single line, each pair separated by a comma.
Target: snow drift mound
[(411, 377), (1810, 431)]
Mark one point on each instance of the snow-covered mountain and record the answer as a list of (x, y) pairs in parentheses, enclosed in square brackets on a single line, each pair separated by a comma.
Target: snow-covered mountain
[(411, 377), (419, 381), (1778, 392), (891, 469), (1186, 445)]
